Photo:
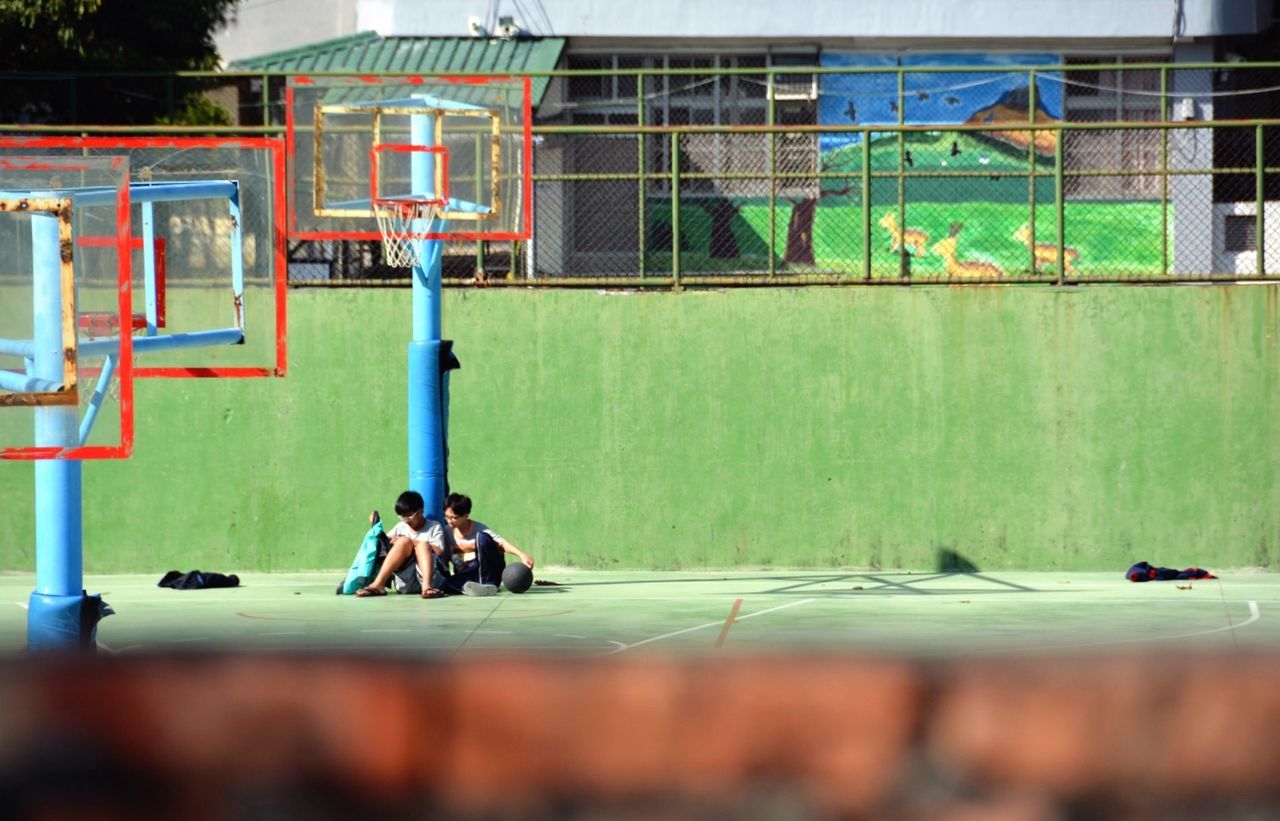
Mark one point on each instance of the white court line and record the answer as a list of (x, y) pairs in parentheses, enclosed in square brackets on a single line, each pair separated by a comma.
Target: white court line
[(287, 633), (716, 623), (1254, 615), (386, 630), (21, 604)]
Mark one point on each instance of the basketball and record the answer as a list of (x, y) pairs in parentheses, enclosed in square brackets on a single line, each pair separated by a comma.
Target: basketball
[(517, 578)]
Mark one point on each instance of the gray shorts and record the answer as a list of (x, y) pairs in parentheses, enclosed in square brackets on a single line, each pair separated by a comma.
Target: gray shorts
[(408, 580)]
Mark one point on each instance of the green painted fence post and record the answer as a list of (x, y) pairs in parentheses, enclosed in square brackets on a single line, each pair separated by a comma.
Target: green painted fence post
[(1164, 173), (1059, 204), (479, 195), (1259, 224), (904, 261), (866, 204), (266, 99), (644, 182), (1031, 159), (675, 210), (770, 118)]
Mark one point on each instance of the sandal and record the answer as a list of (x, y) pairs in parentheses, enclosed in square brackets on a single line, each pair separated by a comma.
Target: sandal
[(366, 592), (432, 593)]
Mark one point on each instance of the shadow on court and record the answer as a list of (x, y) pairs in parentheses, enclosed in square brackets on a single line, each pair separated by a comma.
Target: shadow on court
[(837, 583)]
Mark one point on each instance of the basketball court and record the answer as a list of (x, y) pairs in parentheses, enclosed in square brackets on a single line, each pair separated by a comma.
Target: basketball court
[(182, 241), (165, 258), (998, 614)]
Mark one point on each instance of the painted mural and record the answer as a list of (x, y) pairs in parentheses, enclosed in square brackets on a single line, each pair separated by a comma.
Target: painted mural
[(940, 97), (968, 194), (979, 204)]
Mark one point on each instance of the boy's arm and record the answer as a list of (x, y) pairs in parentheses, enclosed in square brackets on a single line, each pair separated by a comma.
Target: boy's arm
[(508, 547), (433, 546), (434, 537)]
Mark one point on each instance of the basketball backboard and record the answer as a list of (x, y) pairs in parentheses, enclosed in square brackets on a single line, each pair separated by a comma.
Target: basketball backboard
[(208, 249), (465, 142), (51, 355), (190, 257)]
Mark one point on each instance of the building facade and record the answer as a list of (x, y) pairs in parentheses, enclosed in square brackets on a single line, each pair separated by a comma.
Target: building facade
[(757, 201)]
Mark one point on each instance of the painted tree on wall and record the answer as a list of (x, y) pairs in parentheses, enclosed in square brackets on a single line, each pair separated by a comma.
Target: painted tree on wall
[(799, 247)]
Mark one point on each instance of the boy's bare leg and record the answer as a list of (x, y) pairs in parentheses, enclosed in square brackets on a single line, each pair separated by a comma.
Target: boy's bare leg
[(426, 568), (401, 549)]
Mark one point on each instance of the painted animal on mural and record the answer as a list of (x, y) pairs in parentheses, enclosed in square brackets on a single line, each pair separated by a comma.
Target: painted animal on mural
[(907, 236), (1045, 253), (964, 269)]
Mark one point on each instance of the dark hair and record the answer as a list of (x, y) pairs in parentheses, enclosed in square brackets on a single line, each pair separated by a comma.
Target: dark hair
[(458, 503), (409, 502)]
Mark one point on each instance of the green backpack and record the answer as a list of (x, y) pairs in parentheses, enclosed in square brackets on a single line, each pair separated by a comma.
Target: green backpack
[(368, 559)]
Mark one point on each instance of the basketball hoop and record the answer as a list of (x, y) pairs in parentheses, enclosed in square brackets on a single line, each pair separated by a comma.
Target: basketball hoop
[(399, 222)]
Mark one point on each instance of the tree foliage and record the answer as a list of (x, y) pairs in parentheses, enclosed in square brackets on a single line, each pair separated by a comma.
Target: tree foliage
[(64, 60)]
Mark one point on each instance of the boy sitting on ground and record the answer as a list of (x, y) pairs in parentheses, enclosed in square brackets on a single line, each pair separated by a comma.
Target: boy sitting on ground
[(480, 553), (416, 541)]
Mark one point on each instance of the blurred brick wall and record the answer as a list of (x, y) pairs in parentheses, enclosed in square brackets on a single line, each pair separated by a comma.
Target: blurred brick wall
[(773, 737)]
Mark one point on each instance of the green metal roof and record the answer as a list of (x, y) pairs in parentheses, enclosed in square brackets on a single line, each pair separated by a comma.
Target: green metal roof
[(370, 53)]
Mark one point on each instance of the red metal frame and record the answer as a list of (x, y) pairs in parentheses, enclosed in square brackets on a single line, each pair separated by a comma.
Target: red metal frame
[(124, 370), (442, 197), (526, 196), (100, 321), (276, 147)]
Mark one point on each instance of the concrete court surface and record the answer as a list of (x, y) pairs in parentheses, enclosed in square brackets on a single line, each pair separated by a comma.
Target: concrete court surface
[(592, 613)]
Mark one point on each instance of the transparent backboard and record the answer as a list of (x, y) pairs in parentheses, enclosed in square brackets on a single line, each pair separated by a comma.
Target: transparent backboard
[(65, 389), (207, 247), (352, 141)]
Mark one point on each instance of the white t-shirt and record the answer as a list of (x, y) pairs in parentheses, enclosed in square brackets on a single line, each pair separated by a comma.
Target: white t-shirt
[(432, 533), (467, 547)]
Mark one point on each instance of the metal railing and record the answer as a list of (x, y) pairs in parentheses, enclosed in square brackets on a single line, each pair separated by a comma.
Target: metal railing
[(1124, 185), (896, 205)]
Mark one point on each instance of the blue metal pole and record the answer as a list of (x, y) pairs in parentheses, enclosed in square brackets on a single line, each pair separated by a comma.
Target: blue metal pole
[(426, 281), (53, 614), (426, 425), (22, 383), (95, 402), (149, 266), (237, 257), (171, 342), (19, 347), (160, 192)]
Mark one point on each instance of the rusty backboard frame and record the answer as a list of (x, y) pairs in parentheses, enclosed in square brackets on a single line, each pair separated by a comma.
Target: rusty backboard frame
[(352, 109), (68, 393), (439, 115)]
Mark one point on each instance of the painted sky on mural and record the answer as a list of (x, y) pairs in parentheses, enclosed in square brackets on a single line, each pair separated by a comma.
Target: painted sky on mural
[(940, 98)]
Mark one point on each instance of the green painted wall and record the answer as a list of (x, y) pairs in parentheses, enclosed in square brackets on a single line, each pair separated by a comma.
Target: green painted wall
[(1015, 427)]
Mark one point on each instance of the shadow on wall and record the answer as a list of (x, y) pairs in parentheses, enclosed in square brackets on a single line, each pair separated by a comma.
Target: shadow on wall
[(950, 561)]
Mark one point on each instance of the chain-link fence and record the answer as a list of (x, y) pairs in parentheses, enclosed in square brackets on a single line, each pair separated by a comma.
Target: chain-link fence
[(1111, 173), (671, 171), (1152, 201)]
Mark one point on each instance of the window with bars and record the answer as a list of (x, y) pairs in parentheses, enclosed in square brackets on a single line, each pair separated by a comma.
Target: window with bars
[(1117, 95), (1241, 233), (714, 162)]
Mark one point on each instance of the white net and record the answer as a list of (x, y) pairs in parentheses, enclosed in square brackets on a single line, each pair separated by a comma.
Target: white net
[(399, 222)]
